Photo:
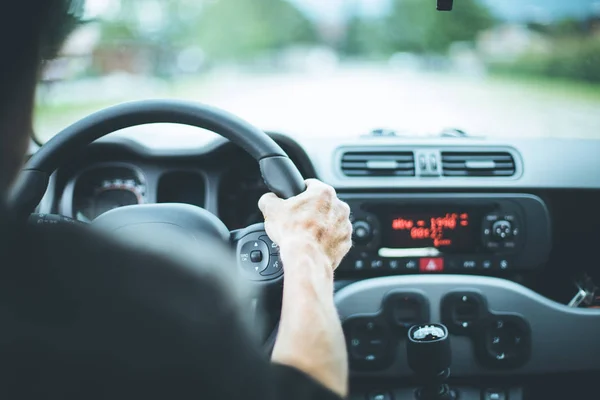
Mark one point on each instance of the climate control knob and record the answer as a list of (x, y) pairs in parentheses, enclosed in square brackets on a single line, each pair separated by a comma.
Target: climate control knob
[(502, 229), (362, 232)]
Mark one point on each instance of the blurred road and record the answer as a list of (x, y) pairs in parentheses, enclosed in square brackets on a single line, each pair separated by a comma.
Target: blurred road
[(353, 101)]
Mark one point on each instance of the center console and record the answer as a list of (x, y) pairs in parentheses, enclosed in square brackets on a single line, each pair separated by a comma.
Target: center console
[(429, 259), (499, 329), (452, 233)]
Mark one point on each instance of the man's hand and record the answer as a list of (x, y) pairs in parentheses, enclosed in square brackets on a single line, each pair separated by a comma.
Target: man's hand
[(316, 216), (313, 232)]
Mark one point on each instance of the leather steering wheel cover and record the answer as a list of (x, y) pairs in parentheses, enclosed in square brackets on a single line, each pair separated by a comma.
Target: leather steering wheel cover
[(280, 175)]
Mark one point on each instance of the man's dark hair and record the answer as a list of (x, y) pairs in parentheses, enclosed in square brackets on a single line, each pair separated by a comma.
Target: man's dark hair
[(30, 31)]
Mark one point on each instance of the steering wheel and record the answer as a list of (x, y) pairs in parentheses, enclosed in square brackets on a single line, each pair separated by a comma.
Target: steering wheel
[(257, 255)]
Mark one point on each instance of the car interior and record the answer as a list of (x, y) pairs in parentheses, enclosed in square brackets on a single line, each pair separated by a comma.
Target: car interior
[(473, 266)]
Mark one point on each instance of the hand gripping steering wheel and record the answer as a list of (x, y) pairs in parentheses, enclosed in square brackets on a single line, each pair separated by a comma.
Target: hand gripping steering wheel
[(257, 255)]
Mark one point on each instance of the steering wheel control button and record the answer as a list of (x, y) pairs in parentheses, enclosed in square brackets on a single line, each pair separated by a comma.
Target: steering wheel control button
[(463, 311), (431, 265), (256, 256), (368, 343), (275, 267), (251, 256), (273, 247), (405, 309), (506, 341)]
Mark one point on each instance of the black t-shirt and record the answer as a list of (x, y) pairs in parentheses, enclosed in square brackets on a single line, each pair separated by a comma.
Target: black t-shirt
[(84, 317)]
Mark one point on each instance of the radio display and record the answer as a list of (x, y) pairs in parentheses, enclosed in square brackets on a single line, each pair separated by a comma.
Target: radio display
[(452, 231)]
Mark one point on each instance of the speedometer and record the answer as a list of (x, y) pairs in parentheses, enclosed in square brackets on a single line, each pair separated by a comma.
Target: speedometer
[(100, 190)]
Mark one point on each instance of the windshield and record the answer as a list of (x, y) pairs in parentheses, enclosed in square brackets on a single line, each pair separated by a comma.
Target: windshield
[(494, 68)]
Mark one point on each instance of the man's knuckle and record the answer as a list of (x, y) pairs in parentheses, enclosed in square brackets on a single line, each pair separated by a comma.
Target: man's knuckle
[(329, 191), (344, 207)]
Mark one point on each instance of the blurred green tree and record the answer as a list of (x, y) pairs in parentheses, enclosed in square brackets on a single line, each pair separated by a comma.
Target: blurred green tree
[(416, 26), (241, 28), (222, 28)]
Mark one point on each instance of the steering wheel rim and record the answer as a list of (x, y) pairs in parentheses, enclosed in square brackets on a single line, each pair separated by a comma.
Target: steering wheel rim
[(280, 174)]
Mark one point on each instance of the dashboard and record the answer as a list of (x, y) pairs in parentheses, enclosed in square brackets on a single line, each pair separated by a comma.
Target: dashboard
[(225, 181), (489, 237)]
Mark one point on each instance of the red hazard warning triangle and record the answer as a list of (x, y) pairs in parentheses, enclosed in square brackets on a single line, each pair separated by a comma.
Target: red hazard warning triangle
[(431, 264)]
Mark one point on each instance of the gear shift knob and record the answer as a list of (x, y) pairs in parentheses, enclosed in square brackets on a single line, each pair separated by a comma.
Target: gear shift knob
[(428, 349), (429, 356)]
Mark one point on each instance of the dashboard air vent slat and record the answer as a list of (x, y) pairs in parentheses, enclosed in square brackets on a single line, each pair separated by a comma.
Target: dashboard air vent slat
[(478, 164), (378, 163)]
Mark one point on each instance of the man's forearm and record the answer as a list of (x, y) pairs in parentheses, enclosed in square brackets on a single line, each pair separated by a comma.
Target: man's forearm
[(310, 335)]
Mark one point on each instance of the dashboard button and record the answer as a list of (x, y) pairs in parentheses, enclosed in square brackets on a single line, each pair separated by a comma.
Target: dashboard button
[(504, 264), (506, 341), (493, 245), (273, 247), (493, 394), (394, 265), (502, 229), (362, 232), (274, 267), (469, 265), (368, 342), (380, 396), (410, 264), (431, 264), (462, 311), (359, 265), (376, 264), (492, 217), (453, 264), (486, 265), (405, 309)]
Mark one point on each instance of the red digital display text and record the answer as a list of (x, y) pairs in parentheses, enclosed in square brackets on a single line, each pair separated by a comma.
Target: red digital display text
[(435, 228)]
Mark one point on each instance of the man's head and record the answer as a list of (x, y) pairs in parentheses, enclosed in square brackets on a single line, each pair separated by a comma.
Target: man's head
[(30, 31)]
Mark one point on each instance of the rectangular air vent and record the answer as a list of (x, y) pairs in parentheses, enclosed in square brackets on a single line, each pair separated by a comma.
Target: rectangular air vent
[(378, 163), (478, 163)]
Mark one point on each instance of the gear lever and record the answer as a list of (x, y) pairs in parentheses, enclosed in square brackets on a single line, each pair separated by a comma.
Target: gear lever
[(429, 356)]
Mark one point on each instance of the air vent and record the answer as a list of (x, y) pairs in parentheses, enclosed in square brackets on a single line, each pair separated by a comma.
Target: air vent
[(378, 163), (474, 163)]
